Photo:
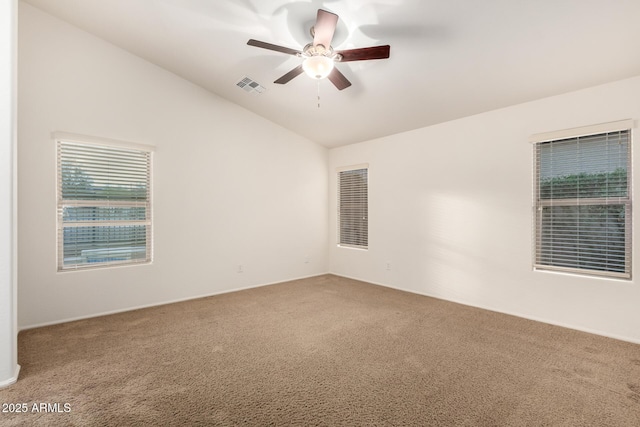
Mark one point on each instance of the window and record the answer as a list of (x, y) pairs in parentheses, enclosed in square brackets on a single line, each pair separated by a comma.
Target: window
[(583, 203), (353, 211), (104, 205)]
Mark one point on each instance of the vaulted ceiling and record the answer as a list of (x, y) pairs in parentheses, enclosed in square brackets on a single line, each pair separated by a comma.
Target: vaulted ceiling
[(449, 59)]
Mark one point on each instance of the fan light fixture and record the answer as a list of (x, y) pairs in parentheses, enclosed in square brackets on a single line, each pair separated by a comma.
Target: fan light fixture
[(317, 67), (319, 58)]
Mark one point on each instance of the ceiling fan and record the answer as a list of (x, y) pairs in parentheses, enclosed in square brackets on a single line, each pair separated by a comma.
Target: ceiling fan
[(319, 56)]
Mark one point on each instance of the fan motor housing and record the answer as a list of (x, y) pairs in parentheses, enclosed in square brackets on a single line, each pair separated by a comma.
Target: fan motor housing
[(319, 50)]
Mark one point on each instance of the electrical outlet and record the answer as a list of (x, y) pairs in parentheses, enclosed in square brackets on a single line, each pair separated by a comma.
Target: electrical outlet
[(389, 266), (240, 268)]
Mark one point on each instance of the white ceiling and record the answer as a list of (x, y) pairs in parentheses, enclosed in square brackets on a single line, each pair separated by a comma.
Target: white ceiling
[(449, 59)]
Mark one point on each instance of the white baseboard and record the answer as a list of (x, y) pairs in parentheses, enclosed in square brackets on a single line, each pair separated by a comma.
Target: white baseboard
[(524, 316), (12, 380), (106, 313)]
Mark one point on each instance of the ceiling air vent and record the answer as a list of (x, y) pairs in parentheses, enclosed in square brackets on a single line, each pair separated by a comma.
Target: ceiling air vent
[(251, 86)]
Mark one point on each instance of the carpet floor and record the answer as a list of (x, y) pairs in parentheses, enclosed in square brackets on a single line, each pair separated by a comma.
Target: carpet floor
[(323, 351)]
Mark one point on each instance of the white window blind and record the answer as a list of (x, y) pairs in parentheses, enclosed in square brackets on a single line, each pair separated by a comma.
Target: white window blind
[(583, 204), (104, 205), (353, 210)]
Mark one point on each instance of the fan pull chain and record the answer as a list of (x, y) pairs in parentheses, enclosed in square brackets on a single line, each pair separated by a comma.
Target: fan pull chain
[(318, 93)]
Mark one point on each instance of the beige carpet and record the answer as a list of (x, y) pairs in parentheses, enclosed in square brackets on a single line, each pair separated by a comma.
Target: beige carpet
[(323, 351)]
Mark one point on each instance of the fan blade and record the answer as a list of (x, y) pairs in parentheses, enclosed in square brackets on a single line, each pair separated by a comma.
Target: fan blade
[(365, 53), (338, 79), (290, 75), (324, 28), (265, 45)]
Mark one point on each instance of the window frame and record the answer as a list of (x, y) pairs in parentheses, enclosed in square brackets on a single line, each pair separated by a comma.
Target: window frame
[(339, 227), (90, 141), (540, 203)]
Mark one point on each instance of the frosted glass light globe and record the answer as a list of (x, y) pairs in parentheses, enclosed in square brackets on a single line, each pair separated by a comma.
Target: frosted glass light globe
[(317, 67)]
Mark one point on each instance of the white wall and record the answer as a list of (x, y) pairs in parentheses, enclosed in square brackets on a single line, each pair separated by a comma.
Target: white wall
[(8, 324), (230, 188), (450, 209)]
